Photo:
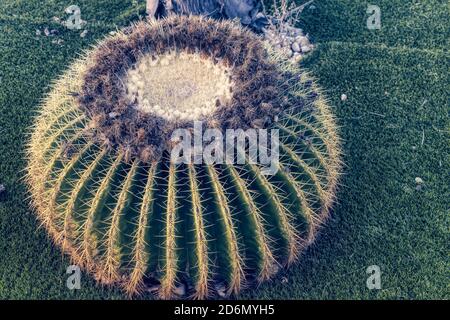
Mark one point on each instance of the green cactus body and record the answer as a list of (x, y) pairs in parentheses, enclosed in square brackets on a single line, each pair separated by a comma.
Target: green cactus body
[(132, 219)]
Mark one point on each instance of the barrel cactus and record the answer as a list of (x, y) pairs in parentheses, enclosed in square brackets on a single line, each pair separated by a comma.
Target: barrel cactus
[(106, 191)]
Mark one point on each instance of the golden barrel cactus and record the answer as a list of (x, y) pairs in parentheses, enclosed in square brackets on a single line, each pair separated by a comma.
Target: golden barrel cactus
[(104, 187)]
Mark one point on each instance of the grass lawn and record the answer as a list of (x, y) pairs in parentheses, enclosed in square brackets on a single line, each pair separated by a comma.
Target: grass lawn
[(395, 124)]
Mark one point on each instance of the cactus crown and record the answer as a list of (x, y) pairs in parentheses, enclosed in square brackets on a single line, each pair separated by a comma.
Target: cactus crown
[(191, 87), (136, 222)]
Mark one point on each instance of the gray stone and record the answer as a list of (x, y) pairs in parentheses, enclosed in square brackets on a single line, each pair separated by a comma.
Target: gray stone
[(302, 40), (58, 41), (297, 58), (295, 47), (306, 49)]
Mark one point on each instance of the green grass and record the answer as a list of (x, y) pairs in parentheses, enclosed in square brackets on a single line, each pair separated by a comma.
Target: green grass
[(395, 124)]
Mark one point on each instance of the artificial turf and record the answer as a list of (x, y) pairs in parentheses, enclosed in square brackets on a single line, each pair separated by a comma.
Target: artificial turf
[(395, 125)]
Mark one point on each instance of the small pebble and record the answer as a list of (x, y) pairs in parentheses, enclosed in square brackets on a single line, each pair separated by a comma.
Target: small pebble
[(302, 41), (297, 57), (284, 280), (57, 41), (46, 32), (306, 49), (295, 47), (343, 97), (84, 33), (113, 115), (38, 32), (419, 183)]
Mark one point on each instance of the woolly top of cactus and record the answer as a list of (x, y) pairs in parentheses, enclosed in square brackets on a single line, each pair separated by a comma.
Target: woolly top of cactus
[(191, 89), (153, 78)]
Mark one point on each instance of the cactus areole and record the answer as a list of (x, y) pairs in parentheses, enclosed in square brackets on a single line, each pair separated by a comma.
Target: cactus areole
[(105, 190)]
